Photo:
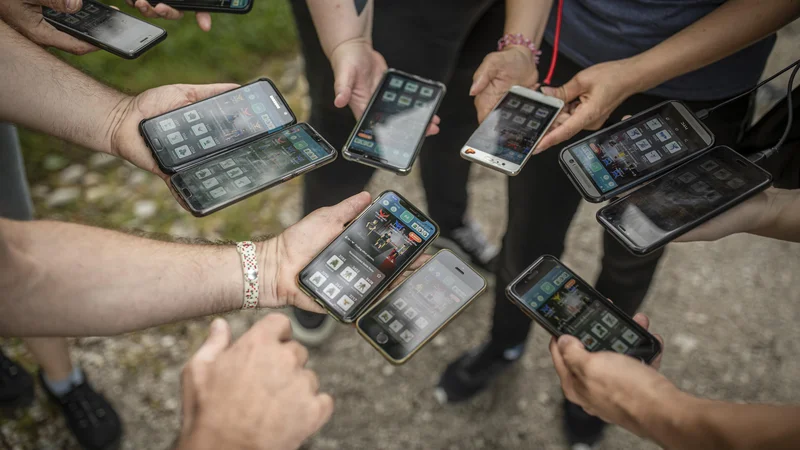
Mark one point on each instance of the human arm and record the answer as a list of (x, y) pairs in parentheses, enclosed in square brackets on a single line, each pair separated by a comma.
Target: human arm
[(62, 279), (603, 87), (621, 390), (515, 64), (25, 16), (253, 394)]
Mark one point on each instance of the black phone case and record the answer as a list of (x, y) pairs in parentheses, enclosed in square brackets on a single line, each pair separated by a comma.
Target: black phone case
[(641, 251), (179, 6), (512, 296), (170, 170), (78, 35)]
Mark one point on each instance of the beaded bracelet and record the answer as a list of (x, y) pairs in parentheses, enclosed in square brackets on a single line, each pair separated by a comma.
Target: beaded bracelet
[(519, 39), (247, 251)]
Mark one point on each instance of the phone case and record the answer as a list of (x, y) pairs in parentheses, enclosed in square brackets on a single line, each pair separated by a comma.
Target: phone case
[(180, 6), (377, 303), (377, 164), (389, 281), (512, 296), (175, 169), (641, 251)]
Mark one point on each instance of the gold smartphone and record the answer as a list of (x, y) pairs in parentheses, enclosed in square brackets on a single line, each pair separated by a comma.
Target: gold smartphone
[(414, 312)]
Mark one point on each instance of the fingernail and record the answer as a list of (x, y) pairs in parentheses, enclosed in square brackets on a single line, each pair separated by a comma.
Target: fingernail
[(217, 324), (472, 90), (71, 4), (143, 9)]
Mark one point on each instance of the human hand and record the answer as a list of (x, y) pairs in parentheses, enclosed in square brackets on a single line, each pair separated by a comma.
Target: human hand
[(599, 90), (357, 71), (254, 394), (611, 386), (514, 65), (25, 16), (167, 12)]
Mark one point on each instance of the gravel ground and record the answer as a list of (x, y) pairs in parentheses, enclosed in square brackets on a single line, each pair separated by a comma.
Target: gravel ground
[(726, 310)]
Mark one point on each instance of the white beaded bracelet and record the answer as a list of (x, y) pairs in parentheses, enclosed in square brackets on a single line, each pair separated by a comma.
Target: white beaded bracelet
[(247, 251)]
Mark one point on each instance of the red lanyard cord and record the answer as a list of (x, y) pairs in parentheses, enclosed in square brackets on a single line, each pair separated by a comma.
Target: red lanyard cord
[(553, 59)]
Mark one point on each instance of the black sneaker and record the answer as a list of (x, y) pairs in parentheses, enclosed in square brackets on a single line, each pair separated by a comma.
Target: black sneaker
[(471, 243), (89, 416), (310, 329), (16, 384), (583, 431), (471, 373)]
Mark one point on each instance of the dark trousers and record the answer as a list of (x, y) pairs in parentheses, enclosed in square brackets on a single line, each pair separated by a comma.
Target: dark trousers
[(542, 203), (447, 43)]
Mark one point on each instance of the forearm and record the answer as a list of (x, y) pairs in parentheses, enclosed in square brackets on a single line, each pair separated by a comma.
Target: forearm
[(42, 92), (61, 279), (782, 215), (339, 21), (528, 18), (731, 27)]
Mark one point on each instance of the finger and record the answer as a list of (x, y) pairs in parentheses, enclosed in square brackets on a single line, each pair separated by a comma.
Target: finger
[(325, 405), (219, 338), (300, 353), (203, 20), (167, 12), (348, 209), (273, 327), (197, 92), (572, 126), (626, 117), (130, 2), (642, 320), (432, 130), (343, 84), (64, 6), (573, 354), (656, 364), (480, 80), (146, 9), (311, 379), (566, 92), (46, 34), (436, 120)]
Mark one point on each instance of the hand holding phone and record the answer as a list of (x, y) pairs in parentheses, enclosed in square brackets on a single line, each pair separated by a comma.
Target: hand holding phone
[(25, 16), (217, 6)]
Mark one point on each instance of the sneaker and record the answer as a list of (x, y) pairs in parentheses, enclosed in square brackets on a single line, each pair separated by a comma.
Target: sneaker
[(471, 243), (89, 416), (310, 329), (16, 384), (583, 431), (471, 373)]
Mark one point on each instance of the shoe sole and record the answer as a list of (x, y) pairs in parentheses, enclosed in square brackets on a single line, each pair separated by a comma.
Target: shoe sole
[(449, 244)]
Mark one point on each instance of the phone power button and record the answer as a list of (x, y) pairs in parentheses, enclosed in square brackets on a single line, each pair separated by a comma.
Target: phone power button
[(382, 338)]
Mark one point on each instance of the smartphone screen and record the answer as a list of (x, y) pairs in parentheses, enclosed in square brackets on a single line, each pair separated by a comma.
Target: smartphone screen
[(212, 125), (368, 255), (625, 153), (394, 124), (566, 305), (513, 128), (108, 26), (417, 309), (203, 4), (233, 175), (681, 199)]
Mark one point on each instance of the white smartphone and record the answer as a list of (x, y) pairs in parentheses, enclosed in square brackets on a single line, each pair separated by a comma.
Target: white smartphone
[(506, 138)]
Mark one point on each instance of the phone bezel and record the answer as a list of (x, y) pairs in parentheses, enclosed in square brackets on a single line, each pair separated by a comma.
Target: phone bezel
[(177, 5), (586, 187), (353, 315), (730, 156), (197, 211), (358, 156), (515, 298), (180, 167), (449, 260), (123, 53), (493, 162)]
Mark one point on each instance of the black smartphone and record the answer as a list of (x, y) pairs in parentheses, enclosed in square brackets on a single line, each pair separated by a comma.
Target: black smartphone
[(562, 303), (684, 198), (621, 157), (369, 254), (223, 6), (230, 177), (403, 321), (182, 137), (107, 28), (392, 129)]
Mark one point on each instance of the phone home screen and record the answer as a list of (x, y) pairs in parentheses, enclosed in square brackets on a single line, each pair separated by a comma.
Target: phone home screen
[(397, 119), (513, 128), (419, 307), (197, 130), (684, 195), (359, 263), (638, 147), (247, 168), (572, 308)]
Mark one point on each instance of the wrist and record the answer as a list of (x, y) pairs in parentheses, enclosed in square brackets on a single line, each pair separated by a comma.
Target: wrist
[(340, 50), (673, 418), (268, 257), (638, 74), (113, 125)]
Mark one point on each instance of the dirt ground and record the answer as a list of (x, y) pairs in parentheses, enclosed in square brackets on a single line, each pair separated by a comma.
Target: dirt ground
[(728, 311)]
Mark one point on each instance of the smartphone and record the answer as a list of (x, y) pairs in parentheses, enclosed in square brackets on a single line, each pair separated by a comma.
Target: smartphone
[(230, 177), (182, 137), (621, 157), (505, 140), (223, 6), (107, 28), (562, 303), (369, 254), (392, 129), (684, 198), (413, 313)]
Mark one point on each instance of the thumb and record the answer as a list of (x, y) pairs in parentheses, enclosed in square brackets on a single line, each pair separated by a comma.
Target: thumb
[(485, 73), (566, 92), (344, 80), (573, 354), (199, 92), (349, 209), (219, 338), (65, 6)]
